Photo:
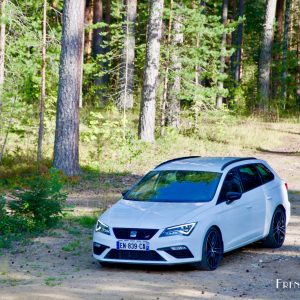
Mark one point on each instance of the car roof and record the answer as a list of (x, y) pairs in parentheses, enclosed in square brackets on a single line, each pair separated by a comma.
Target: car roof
[(197, 163)]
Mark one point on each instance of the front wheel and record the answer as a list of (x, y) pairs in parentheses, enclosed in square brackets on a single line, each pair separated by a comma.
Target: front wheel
[(276, 235), (212, 250)]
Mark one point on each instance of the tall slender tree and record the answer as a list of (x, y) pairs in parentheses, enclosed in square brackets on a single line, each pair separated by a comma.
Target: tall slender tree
[(88, 20), (163, 103), (2, 47), (277, 57), (239, 43), (43, 85), (66, 146), (147, 112), (219, 101), (174, 83), (266, 56), (285, 49), (125, 100)]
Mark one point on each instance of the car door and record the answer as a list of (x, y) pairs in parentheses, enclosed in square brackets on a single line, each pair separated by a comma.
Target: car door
[(234, 218), (254, 199)]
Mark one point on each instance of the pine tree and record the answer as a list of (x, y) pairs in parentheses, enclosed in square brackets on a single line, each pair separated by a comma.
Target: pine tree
[(223, 49), (147, 112), (125, 100), (66, 146), (266, 55)]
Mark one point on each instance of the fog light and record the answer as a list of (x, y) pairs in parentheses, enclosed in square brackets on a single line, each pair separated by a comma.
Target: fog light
[(178, 248)]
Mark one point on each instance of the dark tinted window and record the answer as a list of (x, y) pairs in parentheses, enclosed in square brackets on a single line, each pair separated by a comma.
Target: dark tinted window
[(265, 174), (250, 177), (175, 186), (232, 183)]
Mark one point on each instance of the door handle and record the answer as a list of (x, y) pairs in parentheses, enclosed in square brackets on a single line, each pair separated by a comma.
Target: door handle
[(248, 206)]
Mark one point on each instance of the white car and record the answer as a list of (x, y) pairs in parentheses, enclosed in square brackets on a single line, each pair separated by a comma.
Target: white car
[(193, 209)]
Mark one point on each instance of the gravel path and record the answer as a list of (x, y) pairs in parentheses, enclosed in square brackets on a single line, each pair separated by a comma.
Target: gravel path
[(43, 269)]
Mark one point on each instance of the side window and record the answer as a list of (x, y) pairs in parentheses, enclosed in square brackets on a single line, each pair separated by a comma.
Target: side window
[(232, 183), (265, 174), (250, 177)]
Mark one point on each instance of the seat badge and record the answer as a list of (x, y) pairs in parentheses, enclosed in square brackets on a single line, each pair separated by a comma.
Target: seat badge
[(133, 234)]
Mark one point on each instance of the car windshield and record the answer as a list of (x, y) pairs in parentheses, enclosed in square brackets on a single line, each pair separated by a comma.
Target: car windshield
[(175, 186)]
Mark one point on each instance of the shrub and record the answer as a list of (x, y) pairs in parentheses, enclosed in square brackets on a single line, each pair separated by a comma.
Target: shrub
[(40, 201)]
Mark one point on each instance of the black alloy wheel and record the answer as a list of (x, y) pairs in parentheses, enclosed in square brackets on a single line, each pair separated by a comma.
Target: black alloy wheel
[(276, 235)]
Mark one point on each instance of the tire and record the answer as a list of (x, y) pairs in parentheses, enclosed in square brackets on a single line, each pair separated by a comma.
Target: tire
[(212, 250), (276, 235)]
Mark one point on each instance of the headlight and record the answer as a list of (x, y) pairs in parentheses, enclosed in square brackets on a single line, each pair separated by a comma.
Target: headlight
[(100, 227), (184, 229)]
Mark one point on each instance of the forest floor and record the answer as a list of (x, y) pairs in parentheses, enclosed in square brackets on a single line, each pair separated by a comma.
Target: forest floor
[(59, 264)]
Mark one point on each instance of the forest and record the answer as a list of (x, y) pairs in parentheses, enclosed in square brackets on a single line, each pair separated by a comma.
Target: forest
[(81, 81)]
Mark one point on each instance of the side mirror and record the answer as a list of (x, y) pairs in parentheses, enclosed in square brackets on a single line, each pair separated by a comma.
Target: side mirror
[(124, 192), (232, 196)]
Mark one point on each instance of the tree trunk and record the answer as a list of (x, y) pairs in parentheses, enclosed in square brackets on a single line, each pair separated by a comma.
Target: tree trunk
[(275, 72), (280, 18), (166, 78), (285, 50), (233, 4), (174, 85), (88, 20), (147, 112), (297, 33), (125, 100), (239, 44), (223, 49), (2, 48), (97, 37), (266, 56), (43, 86), (66, 152)]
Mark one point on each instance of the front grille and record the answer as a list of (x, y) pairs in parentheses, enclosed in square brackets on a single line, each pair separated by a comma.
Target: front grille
[(180, 253), (134, 255), (98, 248), (139, 234)]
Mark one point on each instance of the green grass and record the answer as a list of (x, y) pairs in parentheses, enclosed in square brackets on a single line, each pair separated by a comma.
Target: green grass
[(71, 246), (52, 281)]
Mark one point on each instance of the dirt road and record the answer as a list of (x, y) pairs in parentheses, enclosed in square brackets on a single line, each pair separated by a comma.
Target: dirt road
[(46, 269)]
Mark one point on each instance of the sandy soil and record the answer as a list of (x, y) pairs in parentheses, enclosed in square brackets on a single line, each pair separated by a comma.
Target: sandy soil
[(43, 269)]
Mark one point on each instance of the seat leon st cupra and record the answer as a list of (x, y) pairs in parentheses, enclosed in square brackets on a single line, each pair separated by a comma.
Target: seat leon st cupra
[(193, 209)]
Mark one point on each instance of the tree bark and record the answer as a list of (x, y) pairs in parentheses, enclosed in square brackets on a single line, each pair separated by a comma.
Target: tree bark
[(147, 112), (88, 20), (166, 78), (275, 72), (280, 18), (174, 84), (266, 56), (239, 44), (297, 41), (97, 37), (219, 101), (43, 86), (285, 49), (125, 100), (2, 49), (66, 146)]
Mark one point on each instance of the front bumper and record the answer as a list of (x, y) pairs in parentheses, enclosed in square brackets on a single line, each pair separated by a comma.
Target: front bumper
[(163, 251)]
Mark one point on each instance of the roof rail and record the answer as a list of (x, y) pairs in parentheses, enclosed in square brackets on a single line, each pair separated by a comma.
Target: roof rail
[(236, 160), (175, 159)]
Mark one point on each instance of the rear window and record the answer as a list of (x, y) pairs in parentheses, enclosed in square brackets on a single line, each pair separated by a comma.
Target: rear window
[(265, 174), (175, 186), (250, 177)]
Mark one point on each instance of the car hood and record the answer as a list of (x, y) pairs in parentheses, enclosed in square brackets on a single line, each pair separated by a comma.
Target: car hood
[(138, 214)]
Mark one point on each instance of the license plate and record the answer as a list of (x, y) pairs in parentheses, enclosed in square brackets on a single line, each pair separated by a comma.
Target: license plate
[(133, 245)]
